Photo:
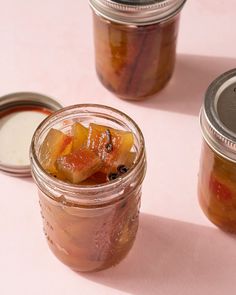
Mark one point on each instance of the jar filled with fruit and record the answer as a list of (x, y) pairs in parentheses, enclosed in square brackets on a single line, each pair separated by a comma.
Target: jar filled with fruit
[(217, 175), (89, 162), (135, 44)]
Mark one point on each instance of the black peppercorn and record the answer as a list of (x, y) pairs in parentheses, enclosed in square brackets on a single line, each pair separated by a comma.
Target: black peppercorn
[(112, 176), (122, 169)]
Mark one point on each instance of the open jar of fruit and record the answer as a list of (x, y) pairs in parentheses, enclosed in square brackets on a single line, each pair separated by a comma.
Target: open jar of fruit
[(217, 175), (88, 162), (135, 44)]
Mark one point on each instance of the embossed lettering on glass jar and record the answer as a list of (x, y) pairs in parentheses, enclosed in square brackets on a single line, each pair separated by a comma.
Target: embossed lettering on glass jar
[(90, 227), (217, 175), (135, 44)]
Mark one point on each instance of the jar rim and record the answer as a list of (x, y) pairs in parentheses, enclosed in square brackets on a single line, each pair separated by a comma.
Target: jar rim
[(137, 13), (219, 107), (75, 189)]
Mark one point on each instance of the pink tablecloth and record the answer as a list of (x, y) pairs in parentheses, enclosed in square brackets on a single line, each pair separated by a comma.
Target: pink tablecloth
[(46, 47)]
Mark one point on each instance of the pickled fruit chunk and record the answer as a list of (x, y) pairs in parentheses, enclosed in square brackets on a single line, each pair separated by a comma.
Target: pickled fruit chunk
[(80, 135), (219, 189), (89, 156), (103, 177), (55, 144), (129, 161), (111, 145), (98, 178), (78, 166)]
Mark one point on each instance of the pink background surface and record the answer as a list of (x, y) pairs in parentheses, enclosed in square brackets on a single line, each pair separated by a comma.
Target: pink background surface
[(47, 47)]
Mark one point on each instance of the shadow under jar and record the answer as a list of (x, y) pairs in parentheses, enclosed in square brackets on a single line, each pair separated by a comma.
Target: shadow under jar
[(217, 174), (90, 227), (135, 44)]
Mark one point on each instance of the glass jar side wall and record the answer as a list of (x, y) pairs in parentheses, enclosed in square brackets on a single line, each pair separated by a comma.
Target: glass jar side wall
[(217, 189), (135, 61), (90, 239)]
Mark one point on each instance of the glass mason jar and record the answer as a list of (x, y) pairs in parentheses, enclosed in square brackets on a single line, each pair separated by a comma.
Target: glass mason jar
[(90, 227), (135, 44), (217, 175)]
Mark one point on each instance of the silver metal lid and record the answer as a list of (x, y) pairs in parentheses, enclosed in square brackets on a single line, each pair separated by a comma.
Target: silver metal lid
[(218, 115), (137, 12), (20, 114)]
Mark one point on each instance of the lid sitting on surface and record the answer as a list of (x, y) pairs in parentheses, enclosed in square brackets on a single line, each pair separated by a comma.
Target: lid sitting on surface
[(218, 115), (20, 114), (137, 12)]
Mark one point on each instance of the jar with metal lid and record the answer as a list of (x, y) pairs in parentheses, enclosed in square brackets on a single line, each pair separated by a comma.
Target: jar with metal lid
[(90, 227), (135, 44), (217, 175)]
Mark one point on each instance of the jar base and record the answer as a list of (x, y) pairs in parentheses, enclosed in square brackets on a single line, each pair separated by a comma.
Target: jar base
[(88, 266)]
